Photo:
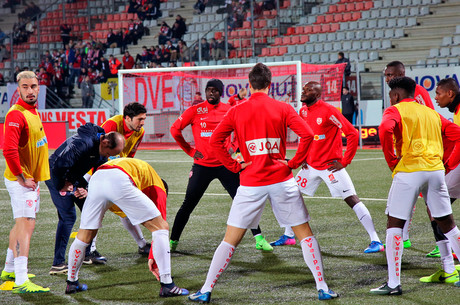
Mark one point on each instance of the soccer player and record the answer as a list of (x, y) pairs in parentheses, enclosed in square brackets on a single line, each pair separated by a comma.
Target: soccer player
[(206, 167), (135, 187), (130, 125), (238, 98), (261, 126), (421, 96), (86, 150), (26, 155), (325, 161), (415, 132), (447, 95)]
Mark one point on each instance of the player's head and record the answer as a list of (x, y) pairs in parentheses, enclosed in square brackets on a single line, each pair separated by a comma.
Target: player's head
[(28, 87), (243, 92), (345, 90), (311, 93), (260, 77), (401, 88), (394, 69), (134, 115), (111, 144), (214, 90), (446, 91)]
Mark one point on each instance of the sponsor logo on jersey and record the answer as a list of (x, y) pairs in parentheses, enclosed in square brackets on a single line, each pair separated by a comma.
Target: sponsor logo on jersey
[(263, 146), (202, 110), (42, 142), (332, 178), (319, 121), (420, 99), (206, 134), (335, 121), (318, 137), (13, 124)]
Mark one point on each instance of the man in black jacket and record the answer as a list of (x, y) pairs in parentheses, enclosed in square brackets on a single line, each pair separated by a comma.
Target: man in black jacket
[(86, 150)]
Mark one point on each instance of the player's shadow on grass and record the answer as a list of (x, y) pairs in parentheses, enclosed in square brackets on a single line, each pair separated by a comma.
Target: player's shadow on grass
[(43, 298)]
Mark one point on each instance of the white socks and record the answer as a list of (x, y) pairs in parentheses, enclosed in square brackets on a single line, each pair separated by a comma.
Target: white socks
[(76, 257), (20, 270), (135, 231), (160, 251), (394, 251), (312, 256), (288, 232), (366, 220), (447, 259), (9, 261), (454, 239), (219, 263)]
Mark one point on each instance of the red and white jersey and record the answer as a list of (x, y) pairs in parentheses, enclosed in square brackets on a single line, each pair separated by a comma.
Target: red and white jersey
[(328, 124), (204, 118), (236, 100), (422, 97), (261, 128)]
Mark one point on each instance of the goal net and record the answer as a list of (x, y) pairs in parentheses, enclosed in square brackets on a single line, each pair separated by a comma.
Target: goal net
[(167, 92)]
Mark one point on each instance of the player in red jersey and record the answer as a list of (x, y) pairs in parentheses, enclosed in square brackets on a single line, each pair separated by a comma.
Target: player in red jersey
[(411, 137), (325, 161), (421, 96), (261, 125), (204, 118), (238, 98), (447, 95)]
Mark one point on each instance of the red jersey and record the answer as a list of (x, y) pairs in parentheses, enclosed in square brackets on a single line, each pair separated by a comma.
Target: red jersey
[(235, 100), (204, 118), (261, 127), (328, 124), (422, 96)]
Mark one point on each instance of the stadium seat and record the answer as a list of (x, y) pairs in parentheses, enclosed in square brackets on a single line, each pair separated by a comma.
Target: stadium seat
[(434, 52), (356, 16), (278, 41), (246, 25), (444, 52), (308, 29), (341, 7), (274, 51), (346, 17), (320, 19), (282, 50), (286, 40), (299, 30), (290, 31), (338, 18), (304, 39), (325, 28), (265, 52), (332, 9), (350, 7), (295, 39), (300, 49)]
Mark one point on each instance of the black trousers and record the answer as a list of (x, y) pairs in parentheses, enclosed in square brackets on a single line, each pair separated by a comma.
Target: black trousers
[(200, 178)]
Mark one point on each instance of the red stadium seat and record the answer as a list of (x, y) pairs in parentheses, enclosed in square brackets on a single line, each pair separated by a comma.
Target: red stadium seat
[(262, 23), (299, 30), (359, 6), (341, 8), (335, 27), (304, 39), (350, 7), (338, 18), (332, 9), (231, 35), (274, 32), (278, 41), (249, 53), (116, 17), (316, 28), (218, 35), (232, 54), (110, 17), (286, 4), (246, 25), (329, 18), (258, 33), (308, 29), (320, 19), (246, 43), (346, 17), (265, 52), (274, 51), (286, 40), (290, 31), (355, 16), (295, 39), (235, 43), (282, 50), (325, 28), (368, 5)]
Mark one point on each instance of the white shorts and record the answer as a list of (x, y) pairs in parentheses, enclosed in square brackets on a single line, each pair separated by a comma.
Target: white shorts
[(24, 201), (285, 198), (406, 187), (113, 186), (453, 182), (339, 183)]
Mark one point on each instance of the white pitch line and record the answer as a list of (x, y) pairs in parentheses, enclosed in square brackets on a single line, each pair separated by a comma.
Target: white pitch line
[(368, 159)]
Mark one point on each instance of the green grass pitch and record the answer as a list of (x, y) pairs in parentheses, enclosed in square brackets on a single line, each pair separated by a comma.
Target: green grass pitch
[(253, 277)]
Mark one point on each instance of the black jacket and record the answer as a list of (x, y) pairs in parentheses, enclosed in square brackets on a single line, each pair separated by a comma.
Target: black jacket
[(76, 156)]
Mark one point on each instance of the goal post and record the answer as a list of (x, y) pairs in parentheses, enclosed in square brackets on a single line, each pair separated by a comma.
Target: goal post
[(167, 92)]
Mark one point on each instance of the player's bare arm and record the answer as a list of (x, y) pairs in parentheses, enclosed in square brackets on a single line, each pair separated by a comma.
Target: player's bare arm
[(335, 166), (198, 155)]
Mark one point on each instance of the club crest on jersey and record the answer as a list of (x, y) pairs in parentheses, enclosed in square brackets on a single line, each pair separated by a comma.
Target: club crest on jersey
[(332, 178), (335, 121), (202, 110), (304, 113), (318, 137), (319, 121), (263, 146)]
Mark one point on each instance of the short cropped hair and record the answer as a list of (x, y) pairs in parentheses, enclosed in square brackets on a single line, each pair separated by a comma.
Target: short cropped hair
[(133, 109), (26, 75), (405, 83), (397, 64), (260, 76), (449, 84)]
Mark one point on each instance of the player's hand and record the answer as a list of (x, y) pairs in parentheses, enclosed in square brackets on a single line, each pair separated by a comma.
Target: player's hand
[(282, 161), (28, 183), (198, 155), (305, 166), (154, 269), (245, 164), (335, 166), (81, 193), (68, 187)]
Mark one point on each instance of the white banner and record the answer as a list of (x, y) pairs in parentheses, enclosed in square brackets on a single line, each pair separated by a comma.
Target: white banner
[(429, 77), (75, 117)]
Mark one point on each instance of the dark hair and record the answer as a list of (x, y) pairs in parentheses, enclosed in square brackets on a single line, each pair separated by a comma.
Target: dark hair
[(260, 76), (341, 54), (346, 87), (396, 64), (166, 186), (113, 137), (405, 83), (449, 84), (133, 109)]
